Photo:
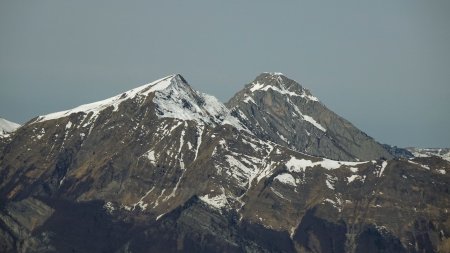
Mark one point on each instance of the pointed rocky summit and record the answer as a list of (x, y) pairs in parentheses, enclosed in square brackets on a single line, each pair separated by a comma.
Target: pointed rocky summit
[(279, 109)]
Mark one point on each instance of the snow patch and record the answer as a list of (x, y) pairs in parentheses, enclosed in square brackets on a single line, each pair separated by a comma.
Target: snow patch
[(353, 169), (310, 97), (336, 204), (443, 153), (41, 134), (256, 86), (274, 73), (7, 127), (383, 166), (263, 87), (352, 178), (150, 155), (160, 216), (308, 119), (330, 181), (200, 129), (141, 203), (248, 99), (314, 122), (218, 202), (299, 165), (278, 194), (282, 91), (418, 164), (286, 178), (109, 207)]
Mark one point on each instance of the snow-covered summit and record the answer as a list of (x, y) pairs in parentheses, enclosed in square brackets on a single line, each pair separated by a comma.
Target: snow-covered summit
[(278, 82), (184, 103), (99, 106), (274, 73), (174, 98), (7, 127)]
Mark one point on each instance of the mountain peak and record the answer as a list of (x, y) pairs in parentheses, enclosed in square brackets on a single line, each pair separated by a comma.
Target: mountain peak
[(160, 84), (7, 127), (180, 78), (182, 102), (144, 90), (277, 108), (272, 73), (173, 97), (158, 164), (265, 76), (278, 82)]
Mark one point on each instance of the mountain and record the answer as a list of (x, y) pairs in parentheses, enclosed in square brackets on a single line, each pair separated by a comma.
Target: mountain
[(7, 127), (279, 109), (398, 152), (443, 153), (165, 168)]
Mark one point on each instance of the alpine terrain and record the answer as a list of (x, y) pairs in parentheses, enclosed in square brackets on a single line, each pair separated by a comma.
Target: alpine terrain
[(7, 127), (165, 168)]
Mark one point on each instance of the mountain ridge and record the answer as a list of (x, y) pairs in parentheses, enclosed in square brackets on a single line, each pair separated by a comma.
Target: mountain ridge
[(7, 127), (173, 170)]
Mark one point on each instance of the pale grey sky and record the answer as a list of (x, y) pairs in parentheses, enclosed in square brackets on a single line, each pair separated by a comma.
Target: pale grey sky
[(383, 65)]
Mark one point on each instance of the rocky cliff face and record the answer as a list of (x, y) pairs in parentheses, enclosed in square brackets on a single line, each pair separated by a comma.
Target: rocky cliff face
[(164, 168), (279, 109)]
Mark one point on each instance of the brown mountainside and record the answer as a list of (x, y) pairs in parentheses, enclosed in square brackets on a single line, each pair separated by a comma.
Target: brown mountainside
[(164, 168)]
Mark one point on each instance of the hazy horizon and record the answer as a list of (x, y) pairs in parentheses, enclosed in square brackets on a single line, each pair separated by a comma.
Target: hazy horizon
[(384, 66)]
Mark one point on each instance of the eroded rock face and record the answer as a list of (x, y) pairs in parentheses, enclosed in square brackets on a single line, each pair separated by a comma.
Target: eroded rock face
[(164, 168), (18, 220)]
